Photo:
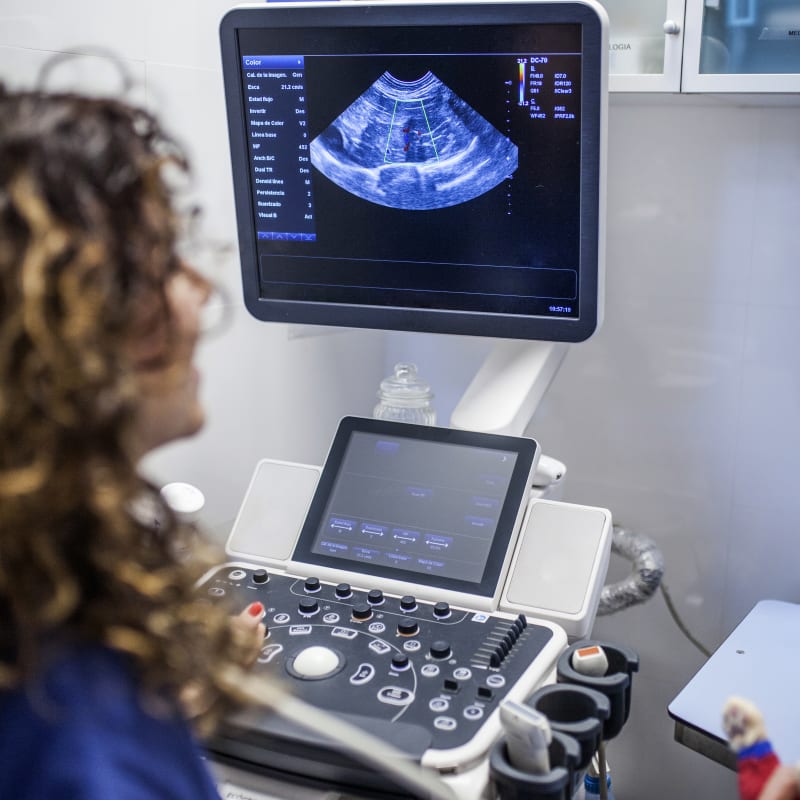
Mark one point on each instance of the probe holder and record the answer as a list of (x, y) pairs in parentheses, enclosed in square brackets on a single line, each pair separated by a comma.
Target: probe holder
[(511, 783), (575, 711), (615, 684)]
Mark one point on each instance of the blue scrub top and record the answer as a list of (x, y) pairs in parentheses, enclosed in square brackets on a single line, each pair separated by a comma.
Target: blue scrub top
[(83, 734)]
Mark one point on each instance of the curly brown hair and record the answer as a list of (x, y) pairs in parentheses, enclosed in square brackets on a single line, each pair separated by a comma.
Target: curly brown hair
[(88, 238)]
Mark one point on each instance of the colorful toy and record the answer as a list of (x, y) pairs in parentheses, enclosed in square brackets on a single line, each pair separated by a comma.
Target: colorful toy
[(756, 760)]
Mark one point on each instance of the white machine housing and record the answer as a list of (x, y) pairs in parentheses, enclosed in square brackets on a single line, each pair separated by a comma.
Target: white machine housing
[(555, 571)]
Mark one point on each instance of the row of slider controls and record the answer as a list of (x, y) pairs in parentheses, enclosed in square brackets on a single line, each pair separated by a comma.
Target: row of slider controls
[(508, 641)]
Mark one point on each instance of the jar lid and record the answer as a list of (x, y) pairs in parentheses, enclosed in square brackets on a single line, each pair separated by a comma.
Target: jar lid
[(185, 500), (405, 383)]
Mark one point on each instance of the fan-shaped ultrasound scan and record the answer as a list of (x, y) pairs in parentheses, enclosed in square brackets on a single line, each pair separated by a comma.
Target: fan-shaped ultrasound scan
[(413, 145)]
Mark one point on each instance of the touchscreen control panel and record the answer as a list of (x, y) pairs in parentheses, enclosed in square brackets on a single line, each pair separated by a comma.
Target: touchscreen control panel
[(418, 504)]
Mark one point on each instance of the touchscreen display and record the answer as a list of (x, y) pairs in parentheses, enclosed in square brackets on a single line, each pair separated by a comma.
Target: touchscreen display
[(416, 506), (421, 507)]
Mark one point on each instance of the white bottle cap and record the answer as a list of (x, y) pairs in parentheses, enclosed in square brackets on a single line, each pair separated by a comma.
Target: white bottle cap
[(184, 499)]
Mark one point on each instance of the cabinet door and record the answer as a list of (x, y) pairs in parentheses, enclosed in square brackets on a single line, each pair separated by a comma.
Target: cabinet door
[(742, 46), (645, 40)]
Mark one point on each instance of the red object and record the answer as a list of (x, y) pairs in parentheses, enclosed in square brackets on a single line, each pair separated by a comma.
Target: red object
[(755, 765), (255, 609)]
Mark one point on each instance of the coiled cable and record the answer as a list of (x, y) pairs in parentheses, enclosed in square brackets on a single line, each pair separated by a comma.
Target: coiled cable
[(646, 573), (644, 580)]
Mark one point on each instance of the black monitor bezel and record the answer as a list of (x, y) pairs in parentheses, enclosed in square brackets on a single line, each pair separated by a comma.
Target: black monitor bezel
[(447, 13), (526, 451)]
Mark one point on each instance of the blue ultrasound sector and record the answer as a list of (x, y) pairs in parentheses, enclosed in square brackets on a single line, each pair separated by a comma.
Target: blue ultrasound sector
[(413, 145)]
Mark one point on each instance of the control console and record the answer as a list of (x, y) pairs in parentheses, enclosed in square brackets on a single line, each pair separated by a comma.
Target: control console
[(426, 676), (409, 587)]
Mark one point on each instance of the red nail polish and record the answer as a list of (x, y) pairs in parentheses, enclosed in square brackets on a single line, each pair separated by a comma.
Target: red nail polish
[(255, 609)]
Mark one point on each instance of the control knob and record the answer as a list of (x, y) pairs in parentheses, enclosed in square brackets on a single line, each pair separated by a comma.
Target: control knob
[(362, 611), (440, 649), (311, 585), (400, 661), (375, 597), (407, 627), (260, 576), (343, 591), (408, 603), (441, 610), (308, 606)]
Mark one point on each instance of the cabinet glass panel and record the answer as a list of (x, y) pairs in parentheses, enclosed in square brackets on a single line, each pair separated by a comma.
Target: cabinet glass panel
[(747, 37), (636, 36)]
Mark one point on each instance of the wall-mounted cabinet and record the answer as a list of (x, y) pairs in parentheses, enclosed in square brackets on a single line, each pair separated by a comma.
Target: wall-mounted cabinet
[(742, 46), (645, 45), (749, 46)]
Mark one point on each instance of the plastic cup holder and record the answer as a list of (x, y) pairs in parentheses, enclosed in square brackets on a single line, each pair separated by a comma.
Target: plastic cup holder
[(511, 783), (615, 684), (575, 711)]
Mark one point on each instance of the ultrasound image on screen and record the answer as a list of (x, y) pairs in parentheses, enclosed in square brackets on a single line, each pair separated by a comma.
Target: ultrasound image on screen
[(415, 506), (413, 145)]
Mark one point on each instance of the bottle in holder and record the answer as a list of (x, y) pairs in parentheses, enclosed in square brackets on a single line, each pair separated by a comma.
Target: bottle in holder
[(405, 397), (591, 788)]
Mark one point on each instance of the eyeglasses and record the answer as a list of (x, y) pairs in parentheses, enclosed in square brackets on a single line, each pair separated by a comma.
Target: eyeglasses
[(217, 312)]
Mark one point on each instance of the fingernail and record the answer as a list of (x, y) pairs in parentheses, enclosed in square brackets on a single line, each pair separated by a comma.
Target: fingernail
[(255, 609)]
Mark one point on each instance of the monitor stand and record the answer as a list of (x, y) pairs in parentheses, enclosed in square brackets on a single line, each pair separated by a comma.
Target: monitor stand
[(508, 387), (504, 396)]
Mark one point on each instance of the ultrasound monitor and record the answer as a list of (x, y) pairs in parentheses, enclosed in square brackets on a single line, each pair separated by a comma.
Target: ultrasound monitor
[(425, 166)]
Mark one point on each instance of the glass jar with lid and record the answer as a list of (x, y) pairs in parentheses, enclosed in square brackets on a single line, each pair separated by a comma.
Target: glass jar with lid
[(405, 397)]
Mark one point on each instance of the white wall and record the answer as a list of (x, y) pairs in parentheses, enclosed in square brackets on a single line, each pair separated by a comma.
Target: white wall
[(269, 390), (680, 415), (690, 430)]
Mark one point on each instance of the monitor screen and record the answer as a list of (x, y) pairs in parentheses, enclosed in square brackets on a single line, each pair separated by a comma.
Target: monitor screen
[(425, 505), (420, 166)]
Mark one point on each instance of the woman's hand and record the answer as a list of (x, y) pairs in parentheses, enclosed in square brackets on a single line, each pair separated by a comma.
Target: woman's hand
[(782, 785), (248, 634), (250, 631)]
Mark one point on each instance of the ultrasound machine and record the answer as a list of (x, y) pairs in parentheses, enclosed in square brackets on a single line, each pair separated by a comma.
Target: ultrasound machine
[(433, 166)]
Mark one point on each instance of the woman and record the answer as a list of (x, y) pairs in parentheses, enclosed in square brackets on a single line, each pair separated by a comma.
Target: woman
[(109, 662), (783, 784)]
